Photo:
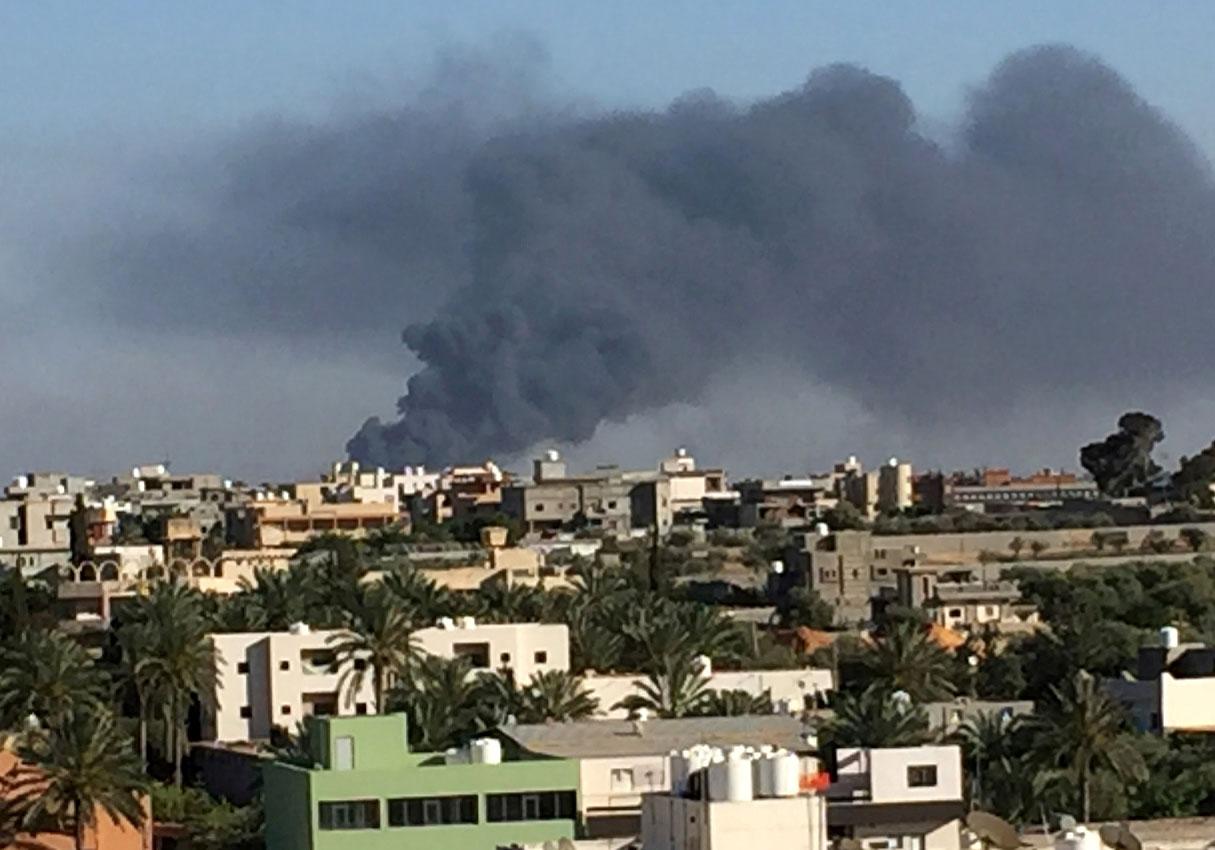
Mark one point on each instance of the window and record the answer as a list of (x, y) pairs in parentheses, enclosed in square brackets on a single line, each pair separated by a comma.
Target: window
[(921, 776), (539, 507), (476, 653), (504, 658), (343, 748), (530, 805), (242, 667), (541, 657), (955, 612), (432, 811), (360, 708), (284, 665), (246, 711), (350, 814), (611, 506), (622, 779), (286, 709)]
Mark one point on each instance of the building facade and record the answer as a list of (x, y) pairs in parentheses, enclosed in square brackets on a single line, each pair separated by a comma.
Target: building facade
[(523, 648)]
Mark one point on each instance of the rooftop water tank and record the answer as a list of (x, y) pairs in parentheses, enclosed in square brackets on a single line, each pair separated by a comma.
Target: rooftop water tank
[(786, 775), (739, 778), (1170, 638), (299, 629)]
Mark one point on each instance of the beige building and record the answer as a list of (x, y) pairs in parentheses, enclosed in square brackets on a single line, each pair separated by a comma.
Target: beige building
[(1174, 687), (899, 798), (275, 521), (269, 679), (620, 761), (958, 599), (689, 486), (675, 822), (524, 648)]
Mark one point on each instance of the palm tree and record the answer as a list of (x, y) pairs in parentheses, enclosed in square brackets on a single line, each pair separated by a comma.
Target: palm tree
[(274, 599), (907, 659), (420, 594), (993, 755), (675, 687), (876, 717), (76, 768), (443, 702), (46, 674), (557, 695), (169, 660), (380, 640), (594, 644), (1081, 731), (735, 703)]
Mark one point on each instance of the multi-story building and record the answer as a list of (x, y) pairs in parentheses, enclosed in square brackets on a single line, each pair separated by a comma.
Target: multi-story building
[(790, 502), (689, 486), (606, 499), (523, 648), (620, 761), (847, 569), (269, 679), (366, 790), (272, 521), (994, 490), (900, 798), (35, 519), (960, 599)]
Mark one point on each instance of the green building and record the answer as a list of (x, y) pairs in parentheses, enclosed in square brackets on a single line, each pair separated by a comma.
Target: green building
[(367, 791)]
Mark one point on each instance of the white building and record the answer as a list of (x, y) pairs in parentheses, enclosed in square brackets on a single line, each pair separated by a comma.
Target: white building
[(268, 679), (1175, 687), (738, 800), (524, 648), (898, 798), (619, 761)]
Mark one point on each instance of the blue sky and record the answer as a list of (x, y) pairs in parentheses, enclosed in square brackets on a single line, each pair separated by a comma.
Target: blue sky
[(69, 70), (95, 95)]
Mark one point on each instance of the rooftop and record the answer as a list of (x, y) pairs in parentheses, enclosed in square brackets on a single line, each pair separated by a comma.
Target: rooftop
[(606, 738)]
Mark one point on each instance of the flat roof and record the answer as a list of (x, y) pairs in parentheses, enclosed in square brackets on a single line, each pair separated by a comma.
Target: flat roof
[(606, 738)]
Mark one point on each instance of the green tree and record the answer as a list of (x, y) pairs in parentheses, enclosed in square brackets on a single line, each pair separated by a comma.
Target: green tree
[(1196, 538), (995, 757), (1016, 545), (675, 687), (443, 702), (907, 659), (555, 695), (1082, 731), (1195, 475), (734, 703), (1122, 464), (378, 640), (1037, 547), (75, 768), (875, 717), (47, 675), (169, 659)]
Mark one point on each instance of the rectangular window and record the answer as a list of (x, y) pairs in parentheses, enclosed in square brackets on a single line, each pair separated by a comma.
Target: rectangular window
[(530, 805), (622, 779), (432, 811), (476, 653), (343, 753), (242, 667), (922, 776), (541, 657), (350, 814)]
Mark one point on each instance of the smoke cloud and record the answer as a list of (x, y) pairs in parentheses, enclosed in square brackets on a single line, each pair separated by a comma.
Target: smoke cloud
[(1059, 249)]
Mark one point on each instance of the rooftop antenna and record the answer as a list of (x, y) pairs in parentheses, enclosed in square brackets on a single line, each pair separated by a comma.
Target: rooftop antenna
[(993, 832)]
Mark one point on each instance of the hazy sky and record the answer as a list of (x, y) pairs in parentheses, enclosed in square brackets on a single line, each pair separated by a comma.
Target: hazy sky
[(96, 98)]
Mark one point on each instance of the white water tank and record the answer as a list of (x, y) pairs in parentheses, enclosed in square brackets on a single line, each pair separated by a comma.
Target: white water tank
[(1170, 638), (468, 622), (716, 774), (491, 750), (299, 629), (446, 623), (456, 756), (786, 775), (822, 529), (739, 784), (1078, 838)]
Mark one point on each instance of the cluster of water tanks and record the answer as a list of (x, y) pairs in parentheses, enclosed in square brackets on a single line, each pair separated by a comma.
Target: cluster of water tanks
[(734, 775), (478, 751)]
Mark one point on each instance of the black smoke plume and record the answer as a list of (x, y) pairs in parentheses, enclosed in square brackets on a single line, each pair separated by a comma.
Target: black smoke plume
[(1063, 243)]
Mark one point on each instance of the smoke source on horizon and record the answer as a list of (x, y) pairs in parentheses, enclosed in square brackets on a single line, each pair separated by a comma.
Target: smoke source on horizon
[(558, 271)]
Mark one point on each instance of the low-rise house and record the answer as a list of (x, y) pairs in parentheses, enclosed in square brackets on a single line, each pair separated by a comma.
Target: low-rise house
[(959, 599), (364, 789), (1174, 687), (523, 648), (278, 679), (900, 798), (272, 521), (620, 761)]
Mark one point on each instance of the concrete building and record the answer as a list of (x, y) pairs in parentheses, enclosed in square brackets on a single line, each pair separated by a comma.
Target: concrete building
[(737, 800), (789, 502), (958, 599), (792, 691), (894, 487), (277, 521), (366, 790), (269, 679), (689, 486), (524, 648), (899, 798), (620, 761), (462, 491), (847, 569), (607, 499), (1174, 687), (996, 490), (948, 716)]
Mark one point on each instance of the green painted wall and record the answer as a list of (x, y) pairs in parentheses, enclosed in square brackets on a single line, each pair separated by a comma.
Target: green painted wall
[(385, 769)]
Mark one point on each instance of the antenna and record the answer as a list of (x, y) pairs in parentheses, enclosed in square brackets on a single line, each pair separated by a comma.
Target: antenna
[(1119, 836), (993, 832)]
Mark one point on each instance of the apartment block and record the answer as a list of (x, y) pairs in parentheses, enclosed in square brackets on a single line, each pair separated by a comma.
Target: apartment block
[(269, 679), (366, 790), (523, 648)]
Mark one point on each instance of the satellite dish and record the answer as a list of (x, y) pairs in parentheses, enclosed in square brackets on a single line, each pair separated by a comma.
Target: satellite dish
[(993, 831), (1119, 836)]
